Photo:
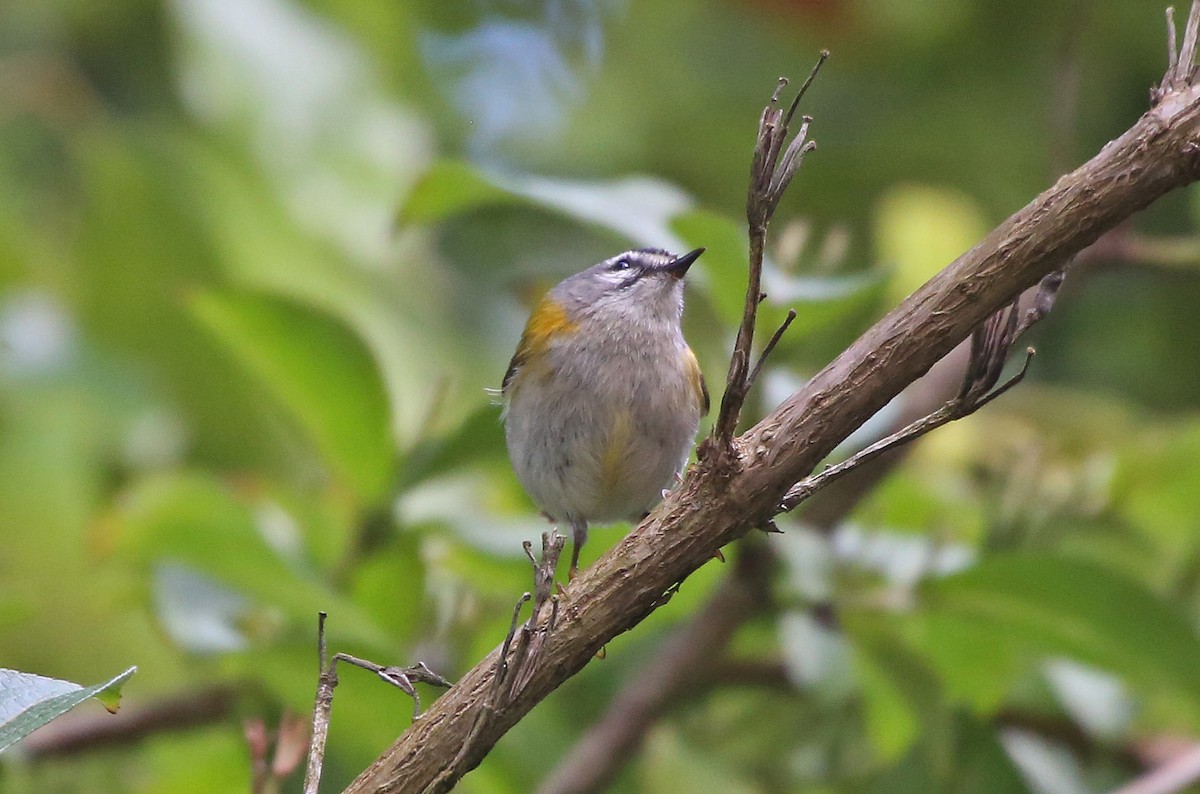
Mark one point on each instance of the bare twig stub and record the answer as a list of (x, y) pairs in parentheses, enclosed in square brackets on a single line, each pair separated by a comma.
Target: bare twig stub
[(402, 678), (969, 400), (771, 172), (1181, 63), (990, 346), (326, 681), (752, 378), (718, 502)]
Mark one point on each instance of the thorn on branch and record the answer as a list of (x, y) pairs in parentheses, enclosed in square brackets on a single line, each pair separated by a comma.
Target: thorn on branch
[(771, 528), (752, 378)]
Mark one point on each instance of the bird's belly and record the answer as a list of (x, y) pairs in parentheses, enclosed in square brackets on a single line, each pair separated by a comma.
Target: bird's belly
[(599, 459)]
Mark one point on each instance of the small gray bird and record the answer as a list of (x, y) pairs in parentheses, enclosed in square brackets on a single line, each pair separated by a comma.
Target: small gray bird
[(603, 397)]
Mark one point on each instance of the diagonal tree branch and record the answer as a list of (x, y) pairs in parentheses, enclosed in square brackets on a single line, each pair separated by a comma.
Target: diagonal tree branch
[(726, 495), (688, 655)]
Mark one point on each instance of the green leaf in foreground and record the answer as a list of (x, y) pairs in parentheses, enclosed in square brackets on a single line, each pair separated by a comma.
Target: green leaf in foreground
[(28, 701), (320, 371), (978, 624)]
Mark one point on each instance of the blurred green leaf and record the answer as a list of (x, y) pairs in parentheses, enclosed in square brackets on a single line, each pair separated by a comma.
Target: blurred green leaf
[(28, 701), (196, 520), (448, 188), (969, 760), (1155, 484), (320, 371), (479, 439), (981, 765), (819, 300), (637, 208), (920, 229), (976, 660), (672, 765), (723, 265), (199, 761), (401, 311), (1021, 606), (390, 586), (901, 694)]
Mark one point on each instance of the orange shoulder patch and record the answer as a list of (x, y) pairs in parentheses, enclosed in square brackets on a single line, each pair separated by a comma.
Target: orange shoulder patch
[(548, 321)]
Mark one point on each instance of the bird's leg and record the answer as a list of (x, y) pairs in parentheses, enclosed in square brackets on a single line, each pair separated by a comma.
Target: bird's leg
[(579, 533)]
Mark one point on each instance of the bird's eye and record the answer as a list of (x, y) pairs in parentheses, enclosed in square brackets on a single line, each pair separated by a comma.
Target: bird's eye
[(621, 264)]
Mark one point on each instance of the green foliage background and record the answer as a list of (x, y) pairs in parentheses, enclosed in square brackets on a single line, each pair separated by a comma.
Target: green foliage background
[(259, 261)]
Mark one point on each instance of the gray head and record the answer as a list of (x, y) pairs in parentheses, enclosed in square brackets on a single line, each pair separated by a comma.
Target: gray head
[(641, 284)]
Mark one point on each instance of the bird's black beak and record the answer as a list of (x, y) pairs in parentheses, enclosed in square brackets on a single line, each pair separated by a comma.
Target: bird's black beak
[(680, 264)]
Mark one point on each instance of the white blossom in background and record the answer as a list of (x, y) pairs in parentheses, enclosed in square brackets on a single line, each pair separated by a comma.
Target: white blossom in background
[(37, 334)]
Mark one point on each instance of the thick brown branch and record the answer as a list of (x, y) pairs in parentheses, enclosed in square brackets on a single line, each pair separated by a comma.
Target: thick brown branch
[(721, 500)]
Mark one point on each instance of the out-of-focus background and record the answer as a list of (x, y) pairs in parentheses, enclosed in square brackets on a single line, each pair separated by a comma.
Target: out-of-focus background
[(259, 260)]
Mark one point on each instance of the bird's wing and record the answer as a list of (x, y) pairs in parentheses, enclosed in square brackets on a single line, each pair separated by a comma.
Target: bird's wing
[(696, 377), (549, 321)]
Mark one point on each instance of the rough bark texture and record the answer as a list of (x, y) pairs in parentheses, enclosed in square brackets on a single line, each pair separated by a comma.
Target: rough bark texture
[(732, 491)]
